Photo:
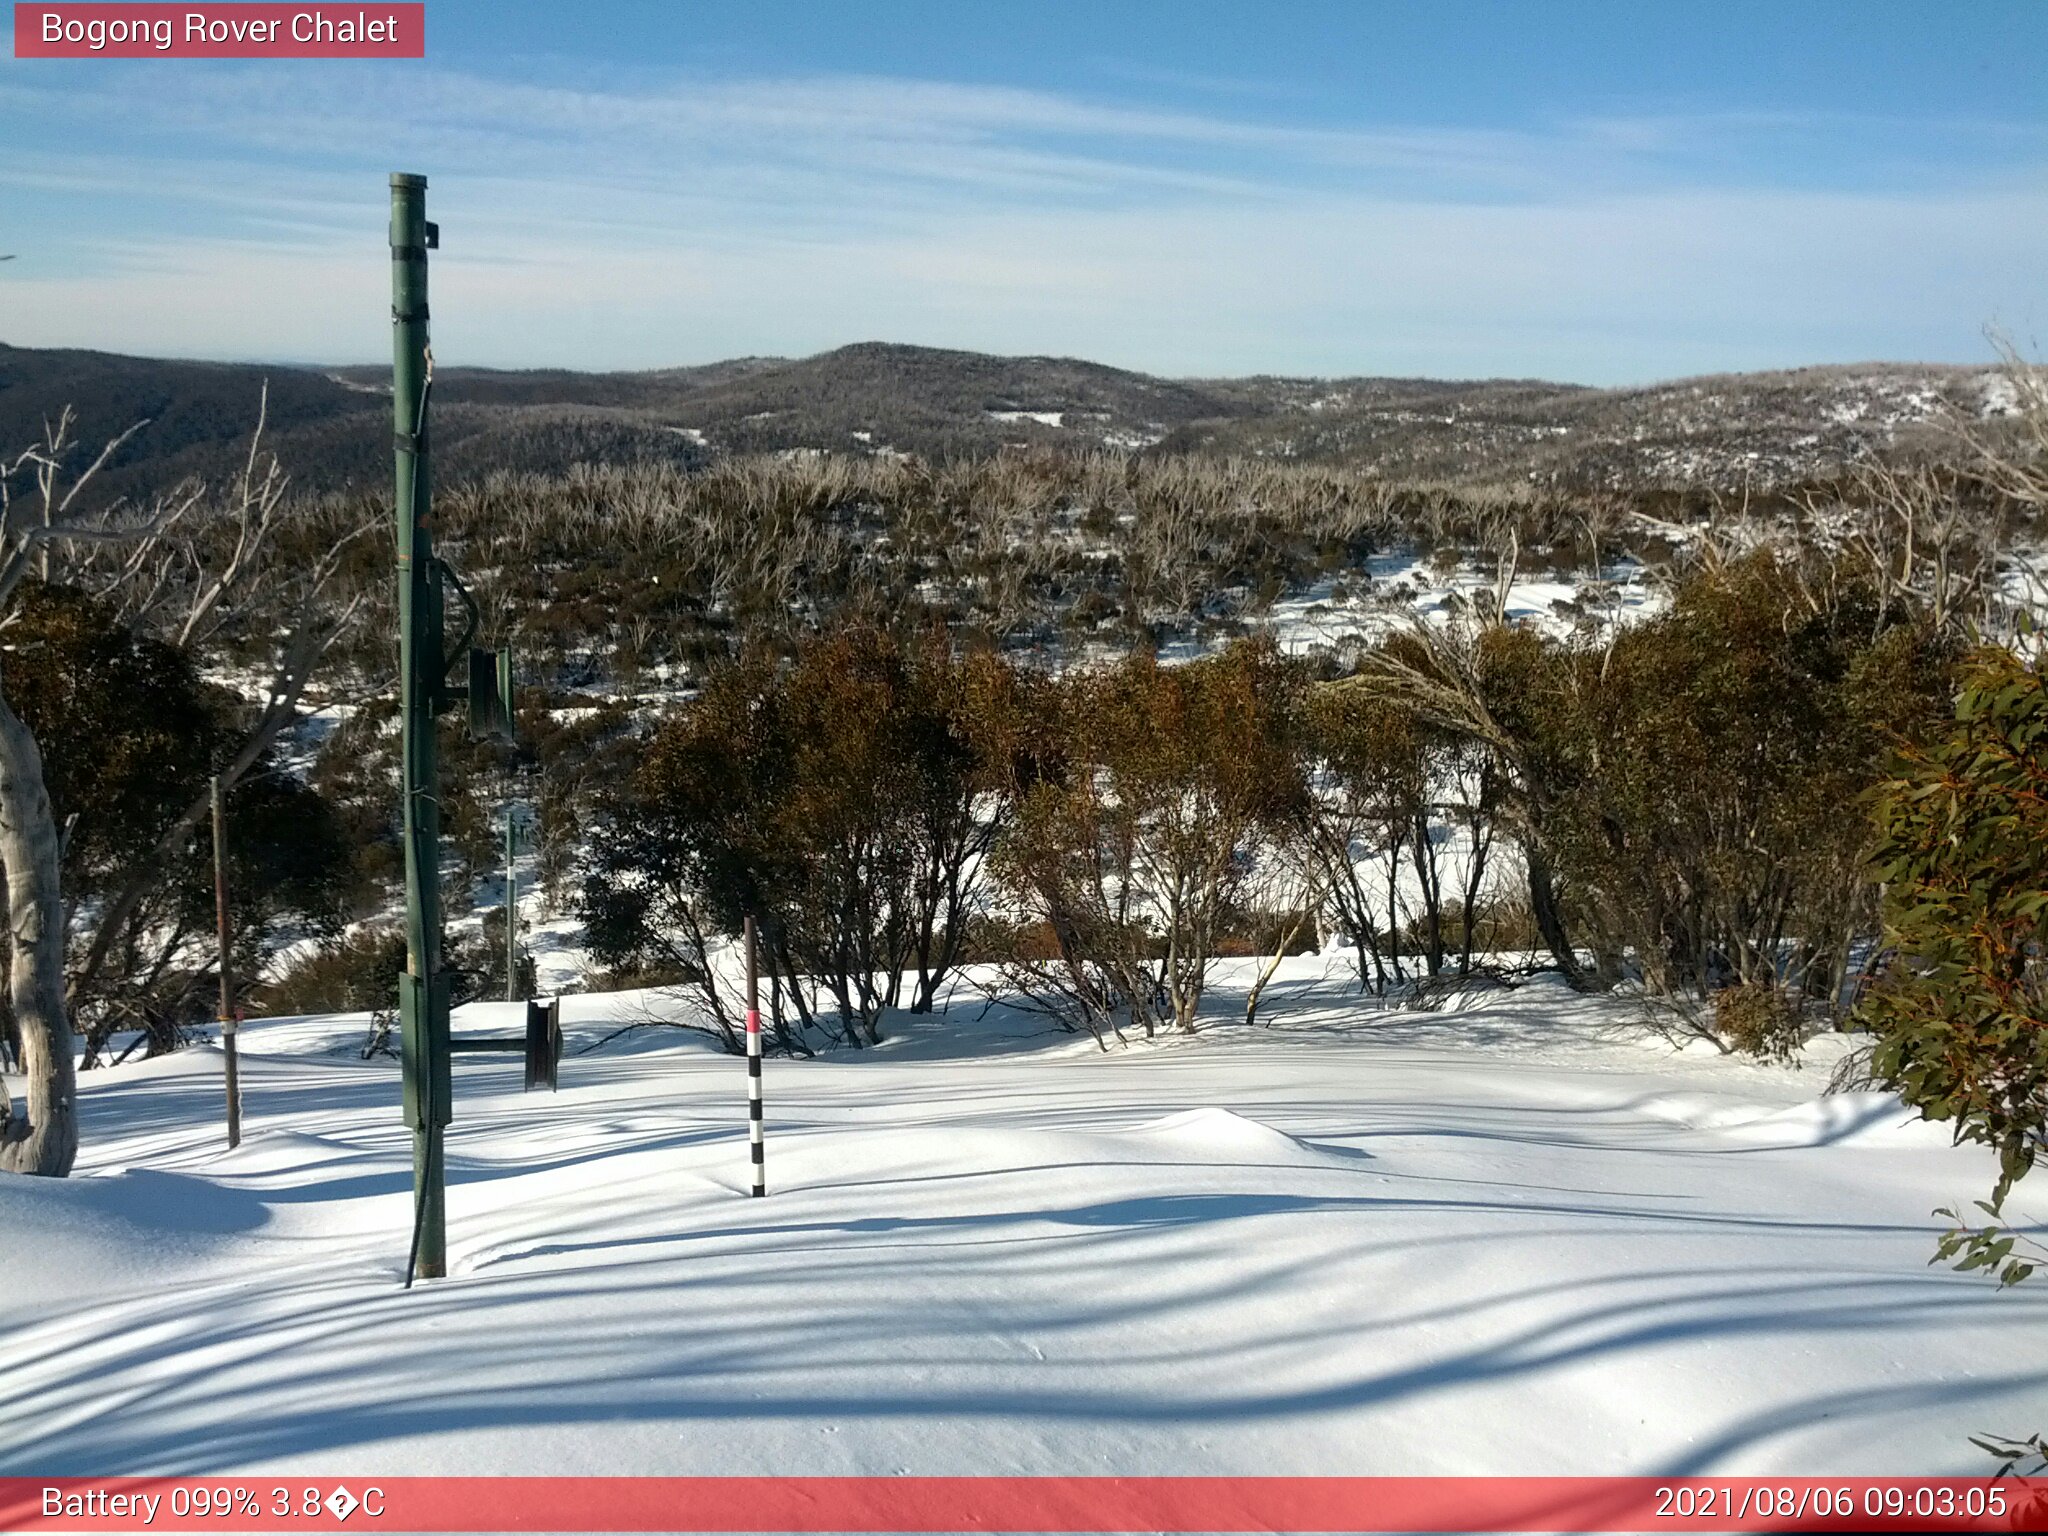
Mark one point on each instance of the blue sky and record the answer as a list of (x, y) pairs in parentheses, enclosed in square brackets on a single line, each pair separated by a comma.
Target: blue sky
[(1605, 193)]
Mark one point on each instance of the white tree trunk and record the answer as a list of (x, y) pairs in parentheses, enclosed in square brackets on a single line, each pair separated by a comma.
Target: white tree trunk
[(46, 1142)]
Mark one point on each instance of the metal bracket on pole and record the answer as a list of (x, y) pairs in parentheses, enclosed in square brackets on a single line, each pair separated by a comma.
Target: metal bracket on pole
[(490, 694), (543, 1044), (424, 1038)]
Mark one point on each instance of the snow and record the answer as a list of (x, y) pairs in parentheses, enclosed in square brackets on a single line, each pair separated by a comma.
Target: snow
[(1043, 418), (2001, 396), (1398, 589), (560, 959), (1515, 1236)]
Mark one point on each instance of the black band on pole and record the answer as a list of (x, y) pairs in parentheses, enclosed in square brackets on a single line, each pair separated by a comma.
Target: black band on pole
[(756, 1128)]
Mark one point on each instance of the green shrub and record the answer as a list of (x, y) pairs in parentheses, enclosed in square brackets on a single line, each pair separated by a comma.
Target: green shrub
[(1759, 1019), (355, 973), (1961, 1015), (358, 973)]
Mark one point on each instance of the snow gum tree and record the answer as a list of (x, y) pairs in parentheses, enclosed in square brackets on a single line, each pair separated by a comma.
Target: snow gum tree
[(1961, 1014), (44, 1139), (129, 731), (1367, 761), (1695, 774), (845, 797), (1677, 789), (1170, 781), (191, 574)]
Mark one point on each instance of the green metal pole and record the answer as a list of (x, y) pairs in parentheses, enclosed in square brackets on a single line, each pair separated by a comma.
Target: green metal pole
[(423, 998)]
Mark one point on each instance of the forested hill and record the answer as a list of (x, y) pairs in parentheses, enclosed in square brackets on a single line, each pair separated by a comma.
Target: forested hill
[(330, 426)]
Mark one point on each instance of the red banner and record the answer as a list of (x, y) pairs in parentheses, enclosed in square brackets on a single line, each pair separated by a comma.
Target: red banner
[(1068, 1504), (255, 31)]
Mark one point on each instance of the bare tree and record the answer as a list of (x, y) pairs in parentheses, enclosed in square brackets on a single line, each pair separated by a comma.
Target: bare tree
[(191, 574), (43, 1140), (1914, 533), (176, 567)]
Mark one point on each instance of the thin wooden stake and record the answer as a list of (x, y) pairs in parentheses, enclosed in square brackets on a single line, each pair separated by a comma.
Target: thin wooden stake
[(227, 986), (755, 1143), (511, 900)]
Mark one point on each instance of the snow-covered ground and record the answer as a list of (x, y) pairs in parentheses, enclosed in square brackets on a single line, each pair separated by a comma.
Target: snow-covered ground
[(1514, 1237), (1394, 592)]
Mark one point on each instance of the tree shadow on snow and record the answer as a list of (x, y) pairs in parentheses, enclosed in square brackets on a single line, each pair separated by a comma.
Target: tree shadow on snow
[(222, 1375)]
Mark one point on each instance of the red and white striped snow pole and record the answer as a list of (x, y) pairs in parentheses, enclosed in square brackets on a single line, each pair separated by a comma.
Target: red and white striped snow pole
[(754, 1130)]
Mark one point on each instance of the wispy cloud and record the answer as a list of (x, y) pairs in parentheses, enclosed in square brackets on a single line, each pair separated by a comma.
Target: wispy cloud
[(236, 211), (999, 137)]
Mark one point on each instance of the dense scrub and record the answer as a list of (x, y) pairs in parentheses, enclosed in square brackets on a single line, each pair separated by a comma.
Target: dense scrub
[(1663, 808), (1686, 783), (130, 735), (631, 579), (1652, 803)]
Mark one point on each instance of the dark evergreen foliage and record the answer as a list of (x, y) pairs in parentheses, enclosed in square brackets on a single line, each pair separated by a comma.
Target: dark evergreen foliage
[(1961, 1014)]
